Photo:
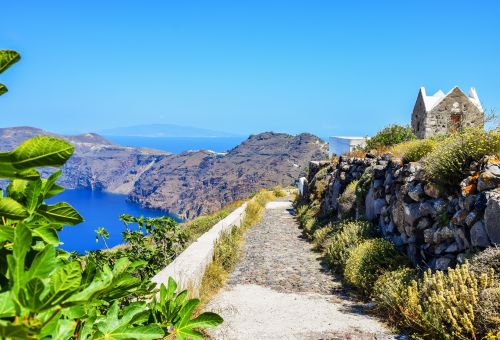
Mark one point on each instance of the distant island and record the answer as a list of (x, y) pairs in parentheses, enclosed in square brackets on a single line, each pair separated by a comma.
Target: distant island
[(163, 130)]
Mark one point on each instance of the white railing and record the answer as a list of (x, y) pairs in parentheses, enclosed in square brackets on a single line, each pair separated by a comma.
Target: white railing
[(189, 267)]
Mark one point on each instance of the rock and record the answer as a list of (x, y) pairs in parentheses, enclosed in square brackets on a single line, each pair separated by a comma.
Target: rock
[(469, 202), (461, 239), (471, 218), (424, 223), (452, 248), (459, 218), (379, 171), (442, 263), (469, 185), (416, 191), (429, 236), (411, 213), (440, 248), (427, 209), (398, 215), (478, 235), (461, 258), (488, 180), (432, 190), (440, 205), (492, 217), (398, 241)]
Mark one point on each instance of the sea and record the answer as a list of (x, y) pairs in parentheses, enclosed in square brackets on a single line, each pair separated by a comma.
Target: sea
[(102, 209)]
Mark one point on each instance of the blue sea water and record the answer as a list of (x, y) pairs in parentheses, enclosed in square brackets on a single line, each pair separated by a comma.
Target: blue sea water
[(99, 209), (179, 144)]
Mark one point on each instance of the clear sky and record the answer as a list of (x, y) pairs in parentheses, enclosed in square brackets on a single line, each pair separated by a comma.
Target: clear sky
[(326, 67)]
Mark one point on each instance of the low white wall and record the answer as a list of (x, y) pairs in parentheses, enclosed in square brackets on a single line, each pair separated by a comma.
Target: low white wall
[(188, 268)]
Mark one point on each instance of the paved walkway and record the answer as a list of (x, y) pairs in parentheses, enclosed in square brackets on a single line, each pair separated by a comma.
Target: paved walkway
[(279, 289)]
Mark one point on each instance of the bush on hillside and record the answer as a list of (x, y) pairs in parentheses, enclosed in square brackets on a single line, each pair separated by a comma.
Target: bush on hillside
[(391, 135), (445, 305), (390, 292), (414, 150), (321, 236), (369, 260), (278, 192), (347, 201), (447, 164), (349, 235)]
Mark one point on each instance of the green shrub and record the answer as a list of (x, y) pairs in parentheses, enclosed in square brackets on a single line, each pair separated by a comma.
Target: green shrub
[(390, 292), (389, 136), (414, 150), (369, 260), (321, 235), (488, 310), (349, 235), (279, 192), (447, 163), (347, 201), (362, 188), (444, 305)]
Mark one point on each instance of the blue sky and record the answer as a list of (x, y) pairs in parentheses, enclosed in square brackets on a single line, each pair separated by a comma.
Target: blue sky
[(324, 67)]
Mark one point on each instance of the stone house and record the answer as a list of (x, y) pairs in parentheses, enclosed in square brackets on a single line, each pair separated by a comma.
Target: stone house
[(442, 113)]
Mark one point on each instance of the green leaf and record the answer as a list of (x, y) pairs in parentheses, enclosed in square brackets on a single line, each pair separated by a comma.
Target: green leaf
[(43, 263), (7, 307), (30, 295), (16, 189), (14, 332), (47, 233), (3, 89), (65, 279), (33, 195), (60, 212), (12, 209), (64, 330), (50, 188), (6, 233), (113, 327), (41, 151), (8, 58)]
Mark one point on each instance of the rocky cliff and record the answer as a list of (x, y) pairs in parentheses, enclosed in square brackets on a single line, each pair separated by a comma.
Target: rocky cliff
[(201, 182), (96, 164), (187, 184)]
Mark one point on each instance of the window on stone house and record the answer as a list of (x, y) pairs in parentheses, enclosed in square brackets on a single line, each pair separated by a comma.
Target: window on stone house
[(455, 122)]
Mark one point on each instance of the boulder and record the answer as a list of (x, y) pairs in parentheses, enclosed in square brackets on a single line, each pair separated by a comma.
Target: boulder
[(442, 263), (492, 216), (427, 209), (433, 190), (478, 236), (488, 180), (416, 191), (459, 218), (411, 213)]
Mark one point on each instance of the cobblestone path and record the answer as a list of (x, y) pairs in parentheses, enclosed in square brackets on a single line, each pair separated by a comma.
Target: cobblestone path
[(279, 289)]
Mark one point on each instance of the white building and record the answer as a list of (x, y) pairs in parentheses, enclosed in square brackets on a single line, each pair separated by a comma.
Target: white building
[(340, 145)]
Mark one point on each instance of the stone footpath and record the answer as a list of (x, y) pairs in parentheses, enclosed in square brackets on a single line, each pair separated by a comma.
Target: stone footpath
[(279, 289)]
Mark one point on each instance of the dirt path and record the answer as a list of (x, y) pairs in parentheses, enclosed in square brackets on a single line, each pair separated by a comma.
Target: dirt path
[(279, 290)]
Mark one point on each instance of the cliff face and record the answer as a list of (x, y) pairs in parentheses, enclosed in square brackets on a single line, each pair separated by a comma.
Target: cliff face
[(202, 182), (96, 164), (187, 184)]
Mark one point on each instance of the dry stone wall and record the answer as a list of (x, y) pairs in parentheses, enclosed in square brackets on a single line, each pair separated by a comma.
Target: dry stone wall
[(434, 226)]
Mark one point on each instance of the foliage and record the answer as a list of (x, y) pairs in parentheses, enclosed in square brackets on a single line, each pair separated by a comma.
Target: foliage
[(362, 188), (447, 164), (349, 235), (390, 135), (174, 310), (278, 192), (347, 200), (7, 59), (414, 150), (321, 237), (202, 224), (369, 260), (486, 260), (390, 292), (45, 292), (444, 305)]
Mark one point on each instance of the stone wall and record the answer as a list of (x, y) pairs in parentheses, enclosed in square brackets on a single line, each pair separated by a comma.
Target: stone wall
[(434, 226)]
